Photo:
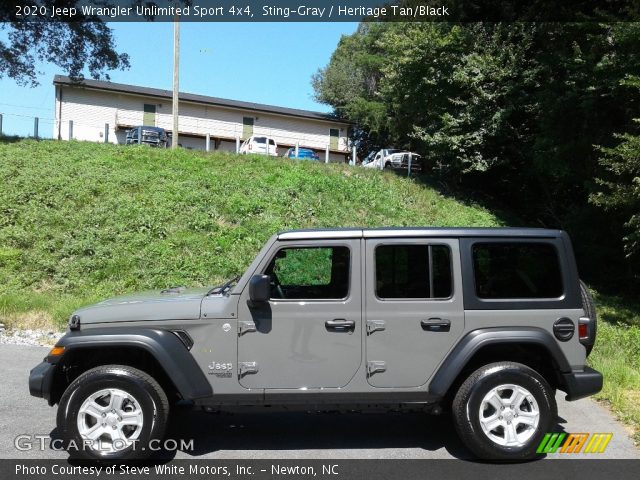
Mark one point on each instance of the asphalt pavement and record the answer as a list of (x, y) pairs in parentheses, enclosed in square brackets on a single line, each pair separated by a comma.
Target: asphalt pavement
[(281, 435)]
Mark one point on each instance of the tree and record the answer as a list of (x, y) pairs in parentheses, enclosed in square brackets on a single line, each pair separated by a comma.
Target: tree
[(620, 184), (73, 47), (506, 112)]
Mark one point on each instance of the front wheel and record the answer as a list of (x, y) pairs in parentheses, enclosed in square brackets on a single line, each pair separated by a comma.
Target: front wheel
[(112, 412), (503, 410)]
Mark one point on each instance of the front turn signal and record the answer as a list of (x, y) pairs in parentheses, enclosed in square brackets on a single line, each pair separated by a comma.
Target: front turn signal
[(56, 351)]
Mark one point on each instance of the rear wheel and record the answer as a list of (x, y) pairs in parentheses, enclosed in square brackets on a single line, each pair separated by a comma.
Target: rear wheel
[(502, 411), (112, 412)]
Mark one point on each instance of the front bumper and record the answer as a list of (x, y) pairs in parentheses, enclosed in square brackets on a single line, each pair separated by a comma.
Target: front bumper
[(41, 380), (582, 384)]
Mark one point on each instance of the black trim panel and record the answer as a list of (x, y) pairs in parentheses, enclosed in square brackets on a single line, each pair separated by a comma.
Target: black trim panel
[(310, 397), (477, 339), (582, 384), (163, 345), (41, 380)]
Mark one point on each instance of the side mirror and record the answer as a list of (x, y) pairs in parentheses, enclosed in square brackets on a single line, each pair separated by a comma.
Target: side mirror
[(259, 289)]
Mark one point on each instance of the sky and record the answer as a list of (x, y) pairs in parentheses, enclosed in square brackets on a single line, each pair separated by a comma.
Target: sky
[(269, 63)]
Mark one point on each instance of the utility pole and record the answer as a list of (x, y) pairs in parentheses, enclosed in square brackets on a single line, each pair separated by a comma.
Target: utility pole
[(176, 71)]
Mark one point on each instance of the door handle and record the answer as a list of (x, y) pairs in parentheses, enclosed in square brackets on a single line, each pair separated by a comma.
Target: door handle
[(340, 325), (436, 324)]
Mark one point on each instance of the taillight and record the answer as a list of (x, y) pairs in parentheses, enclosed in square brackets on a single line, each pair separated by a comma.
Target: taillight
[(587, 333), (583, 328)]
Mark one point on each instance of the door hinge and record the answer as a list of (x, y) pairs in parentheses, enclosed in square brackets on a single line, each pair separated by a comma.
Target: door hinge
[(376, 366), (375, 325), (245, 368), (245, 326)]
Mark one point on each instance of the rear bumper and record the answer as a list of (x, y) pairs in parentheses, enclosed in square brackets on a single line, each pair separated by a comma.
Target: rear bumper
[(41, 380), (582, 384)]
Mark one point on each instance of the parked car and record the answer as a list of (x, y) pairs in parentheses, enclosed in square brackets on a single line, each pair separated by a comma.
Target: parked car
[(260, 144), (303, 154), (392, 158), (152, 136), (488, 322)]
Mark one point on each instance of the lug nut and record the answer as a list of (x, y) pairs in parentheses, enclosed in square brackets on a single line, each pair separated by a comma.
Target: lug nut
[(104, 415), (502, 408), (114, 427), (508, 423), (500, 417)]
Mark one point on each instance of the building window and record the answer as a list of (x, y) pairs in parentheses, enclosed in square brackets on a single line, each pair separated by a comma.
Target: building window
[(247, 127), (149, 115), (413, 271), (516, 270), (311, 273), (334, 136)]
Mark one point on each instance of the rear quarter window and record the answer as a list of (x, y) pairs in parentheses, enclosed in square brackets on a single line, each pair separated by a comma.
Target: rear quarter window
[(519, 270)]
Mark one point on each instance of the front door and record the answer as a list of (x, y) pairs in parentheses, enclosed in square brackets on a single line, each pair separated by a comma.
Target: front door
[(414, 311), (309, 334), (149, 115)]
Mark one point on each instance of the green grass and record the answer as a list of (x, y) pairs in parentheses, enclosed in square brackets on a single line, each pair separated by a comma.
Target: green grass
[(83, 221), (617, 355)]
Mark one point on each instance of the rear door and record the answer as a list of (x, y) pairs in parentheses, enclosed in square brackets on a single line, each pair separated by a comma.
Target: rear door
[(413, 308)]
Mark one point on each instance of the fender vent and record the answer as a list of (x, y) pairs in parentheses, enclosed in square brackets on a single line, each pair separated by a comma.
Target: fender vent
[(184, 338), (564, 329)]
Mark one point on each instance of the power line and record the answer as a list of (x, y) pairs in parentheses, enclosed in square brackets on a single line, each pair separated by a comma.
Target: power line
[(25, 106)]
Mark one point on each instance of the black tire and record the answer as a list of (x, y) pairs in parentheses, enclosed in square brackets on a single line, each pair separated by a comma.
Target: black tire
[(468, 400), (136, 383), (589, 307)]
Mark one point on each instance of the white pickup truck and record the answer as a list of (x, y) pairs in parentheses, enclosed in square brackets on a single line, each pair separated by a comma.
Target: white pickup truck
[(391, 158)]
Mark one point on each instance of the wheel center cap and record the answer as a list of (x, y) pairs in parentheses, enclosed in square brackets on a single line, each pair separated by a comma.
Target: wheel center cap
[(508, 415), (112, 420)]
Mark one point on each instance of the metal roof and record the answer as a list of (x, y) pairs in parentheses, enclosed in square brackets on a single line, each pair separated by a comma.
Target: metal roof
[(418, 232), (194, 98)]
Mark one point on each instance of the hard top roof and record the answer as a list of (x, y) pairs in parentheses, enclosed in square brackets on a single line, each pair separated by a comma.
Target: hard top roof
[(403, 232)]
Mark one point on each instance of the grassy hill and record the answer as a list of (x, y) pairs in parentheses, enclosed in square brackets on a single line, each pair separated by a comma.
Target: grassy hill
[(84, 221), (80, 222)]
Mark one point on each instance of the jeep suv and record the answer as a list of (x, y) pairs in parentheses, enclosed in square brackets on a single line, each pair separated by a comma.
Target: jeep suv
[(488, 323)]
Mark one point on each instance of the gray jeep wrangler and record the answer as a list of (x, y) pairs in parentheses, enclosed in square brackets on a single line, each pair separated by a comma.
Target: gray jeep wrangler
[(485, 322)]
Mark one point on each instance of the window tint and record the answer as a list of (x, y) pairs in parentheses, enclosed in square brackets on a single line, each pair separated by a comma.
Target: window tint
[(310, 273), (260, 139), (406, 271), (516, 270), (271, 142)]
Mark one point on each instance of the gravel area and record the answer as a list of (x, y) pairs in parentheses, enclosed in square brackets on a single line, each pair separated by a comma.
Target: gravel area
[(28, 337)]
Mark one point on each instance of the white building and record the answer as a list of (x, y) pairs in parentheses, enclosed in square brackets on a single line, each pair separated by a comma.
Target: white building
[(103, 111)]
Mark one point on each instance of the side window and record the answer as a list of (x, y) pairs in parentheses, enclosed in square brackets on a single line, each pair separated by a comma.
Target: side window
[(516, 270), (312, 273), (413, 271)]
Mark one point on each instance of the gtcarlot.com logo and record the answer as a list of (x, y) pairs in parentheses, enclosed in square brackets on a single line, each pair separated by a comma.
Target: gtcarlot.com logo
[(574, 442), (27, 442)]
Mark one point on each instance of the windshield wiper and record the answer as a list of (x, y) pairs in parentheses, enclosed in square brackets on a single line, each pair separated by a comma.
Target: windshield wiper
[(222, 289)]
